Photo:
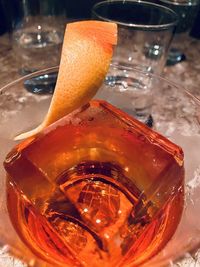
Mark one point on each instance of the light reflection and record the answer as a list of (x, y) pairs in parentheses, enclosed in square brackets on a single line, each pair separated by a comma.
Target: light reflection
[(106, 236), (39, 37), (85, 210), (126, 169)]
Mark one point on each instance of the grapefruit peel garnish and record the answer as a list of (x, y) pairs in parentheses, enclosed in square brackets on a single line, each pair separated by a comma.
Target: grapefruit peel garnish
[(86, 55)]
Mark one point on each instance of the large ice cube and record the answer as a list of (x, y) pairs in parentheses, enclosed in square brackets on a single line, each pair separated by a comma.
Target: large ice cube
[(98, 183)]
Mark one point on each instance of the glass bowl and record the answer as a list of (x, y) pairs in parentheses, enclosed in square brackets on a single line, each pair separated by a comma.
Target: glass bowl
[(165, 107)]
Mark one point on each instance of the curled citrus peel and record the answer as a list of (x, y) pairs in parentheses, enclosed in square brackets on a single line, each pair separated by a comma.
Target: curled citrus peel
[(86, 54)]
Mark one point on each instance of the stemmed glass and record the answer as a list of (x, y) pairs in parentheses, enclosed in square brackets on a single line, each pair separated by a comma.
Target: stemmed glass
[(175, 114)]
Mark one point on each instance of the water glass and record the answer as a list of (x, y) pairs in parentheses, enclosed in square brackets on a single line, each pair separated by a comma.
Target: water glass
[(145, 32), (186, 11), (38, 33)]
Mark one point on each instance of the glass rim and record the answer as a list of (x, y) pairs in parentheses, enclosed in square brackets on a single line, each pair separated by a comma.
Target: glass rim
[(112, 65), (143, 27), (181, 3)]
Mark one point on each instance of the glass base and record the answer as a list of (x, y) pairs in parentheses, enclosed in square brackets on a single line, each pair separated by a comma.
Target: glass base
[(175, 56), (41, 84)]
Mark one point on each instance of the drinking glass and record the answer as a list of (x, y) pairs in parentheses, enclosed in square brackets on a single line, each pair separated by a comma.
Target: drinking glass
[(175, 114), (37, 35), (186, 11), (145, 31)]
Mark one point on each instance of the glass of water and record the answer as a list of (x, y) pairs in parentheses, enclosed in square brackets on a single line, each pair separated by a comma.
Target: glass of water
[(186, 11), (38, 34), (145, 31)]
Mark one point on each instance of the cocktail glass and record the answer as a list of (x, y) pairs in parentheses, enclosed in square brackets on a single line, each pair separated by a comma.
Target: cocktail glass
[(175, 114)]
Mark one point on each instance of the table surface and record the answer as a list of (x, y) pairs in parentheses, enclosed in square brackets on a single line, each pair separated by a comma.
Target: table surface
[(185, 73)]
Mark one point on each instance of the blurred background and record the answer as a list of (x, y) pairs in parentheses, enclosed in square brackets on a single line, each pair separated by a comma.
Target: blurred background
[(31, 30), (31, 35), (10, 13), (10, 10)]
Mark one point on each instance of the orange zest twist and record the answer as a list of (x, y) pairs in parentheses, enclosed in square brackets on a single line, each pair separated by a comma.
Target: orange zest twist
[(86, 54)]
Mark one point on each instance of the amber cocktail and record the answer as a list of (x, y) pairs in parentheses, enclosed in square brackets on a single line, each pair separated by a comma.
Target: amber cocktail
[(95, 188), (98, 187)]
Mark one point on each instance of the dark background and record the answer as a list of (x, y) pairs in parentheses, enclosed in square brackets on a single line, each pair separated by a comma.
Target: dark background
[(10, 14), (74, 9)]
